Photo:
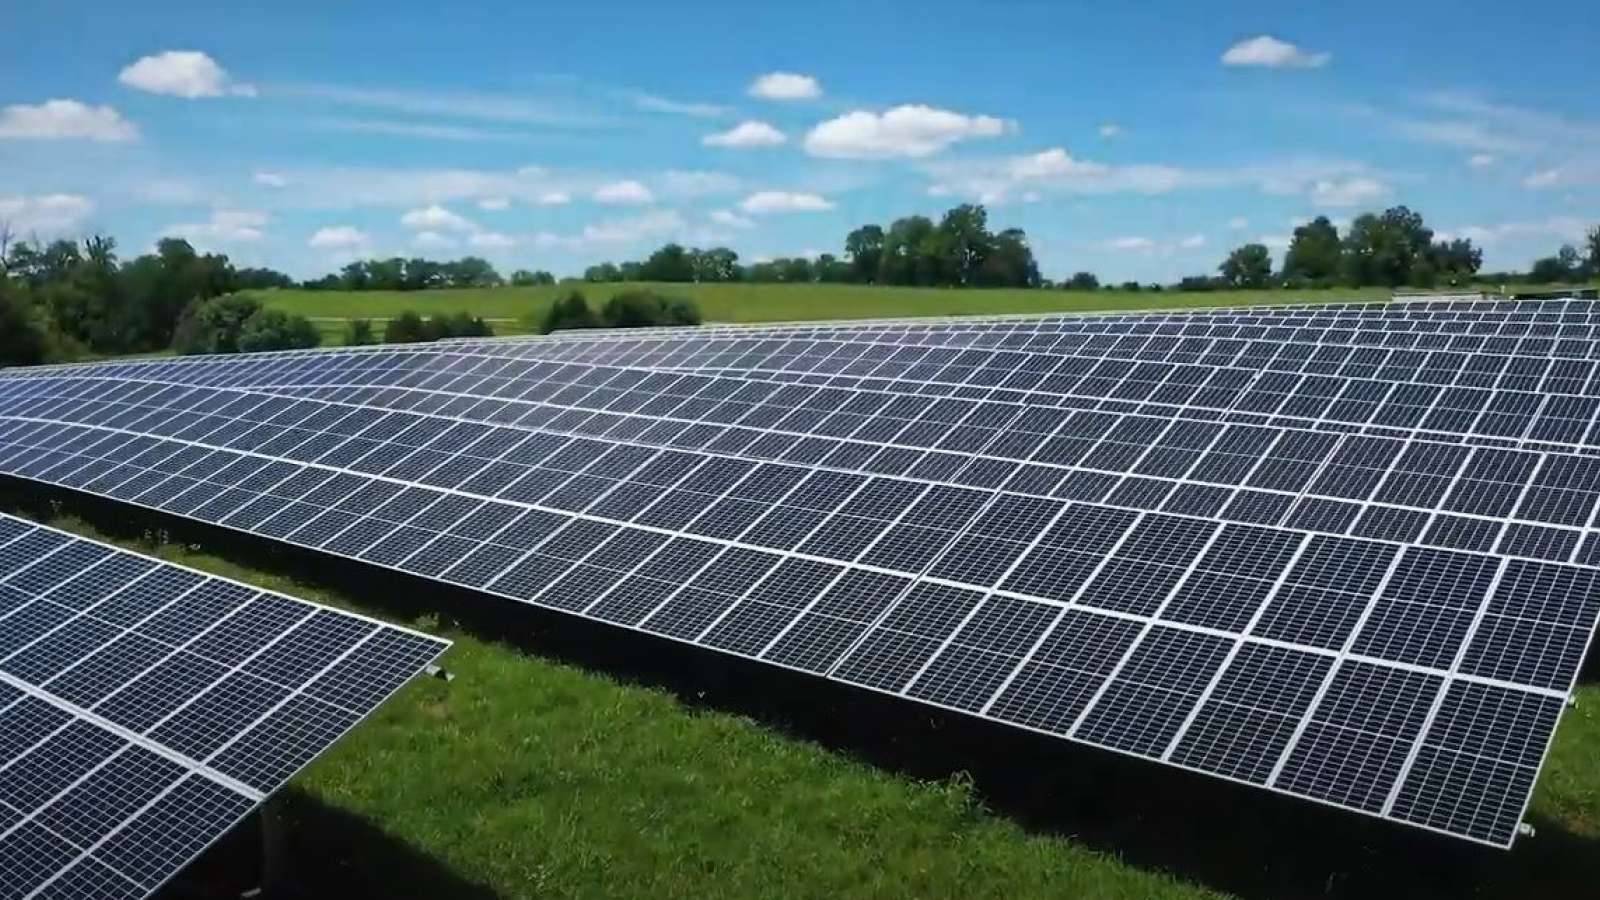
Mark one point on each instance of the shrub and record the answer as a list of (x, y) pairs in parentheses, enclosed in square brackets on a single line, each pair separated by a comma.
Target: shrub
[(568, 312), (645, 308), (274, 329), (359, 333), (213, 326), (406, 328)]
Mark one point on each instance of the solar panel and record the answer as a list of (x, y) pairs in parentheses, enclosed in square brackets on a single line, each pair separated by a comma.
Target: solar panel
[(145, 708), (1224, 568)]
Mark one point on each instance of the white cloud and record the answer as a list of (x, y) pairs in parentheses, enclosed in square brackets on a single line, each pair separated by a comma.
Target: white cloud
[(433, 240), (338, 237), (270, 179), (65, 120), (1467, 135), (1481, 160), (1132, 244), (731, 219), (492, 240), (784, 201), (611, 233), (623, 192), (1581, 172), (1268, 52), (1192, 242), (913, 130), (48, 213), (1348, 191), (1139, 245), (437, 218), (688, 184), (653, 103), (1556, 228), (1111, 130), (1051, 163), (429, 131), (513, 108), (226, 226), (786, 86), (746, 134), (554, 198), (1238, 223), (183, 73), (494, 204)]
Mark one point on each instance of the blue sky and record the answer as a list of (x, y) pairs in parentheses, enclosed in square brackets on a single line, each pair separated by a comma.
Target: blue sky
[(1135, 140)]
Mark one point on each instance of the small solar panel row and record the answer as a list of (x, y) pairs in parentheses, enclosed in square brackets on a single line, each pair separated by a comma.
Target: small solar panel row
[(146, 708)]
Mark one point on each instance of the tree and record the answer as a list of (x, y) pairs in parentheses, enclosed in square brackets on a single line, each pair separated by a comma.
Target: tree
[(902, 261), (604, 272), (1382, 250), (1249, 266), (670, 263), (24, 337), (470, 271), (568, 312), (829, 269), (1565, 266), (274, 329), (963, 244), (1313, 254), (864, 247), (214, 325), (1009, 263), (716, 264), (1456, 260), (1591, 243), (525, 278), (1081, 281), (358, 333), (796, 270)]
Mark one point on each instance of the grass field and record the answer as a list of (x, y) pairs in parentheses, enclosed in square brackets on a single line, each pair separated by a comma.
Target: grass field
[(507, 307)]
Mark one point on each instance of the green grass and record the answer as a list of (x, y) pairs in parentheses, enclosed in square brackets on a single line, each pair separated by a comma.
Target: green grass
[(764, 302), (525, 777)]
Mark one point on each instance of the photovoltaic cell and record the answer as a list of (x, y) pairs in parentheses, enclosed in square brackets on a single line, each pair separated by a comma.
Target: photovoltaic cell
[(153, 707), (1304, 548)]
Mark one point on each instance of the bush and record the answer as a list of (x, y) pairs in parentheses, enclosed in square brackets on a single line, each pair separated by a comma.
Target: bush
[(274, 329), (359, 333), (213, 326), (410, 328), (571, 311), (406, 328), (644, 309)]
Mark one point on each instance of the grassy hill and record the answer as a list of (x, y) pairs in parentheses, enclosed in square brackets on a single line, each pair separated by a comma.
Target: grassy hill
[(505, 308)]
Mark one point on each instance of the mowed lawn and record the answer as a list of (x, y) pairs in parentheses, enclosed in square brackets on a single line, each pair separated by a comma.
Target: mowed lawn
[(524, 777), (508, 308)]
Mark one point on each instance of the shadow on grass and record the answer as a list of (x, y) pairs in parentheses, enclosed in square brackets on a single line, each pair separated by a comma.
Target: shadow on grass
[(321, 851), (1231, 838)]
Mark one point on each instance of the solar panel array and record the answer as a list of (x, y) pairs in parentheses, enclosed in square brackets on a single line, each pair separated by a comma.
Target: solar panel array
[(146, 708), (1345, 553)]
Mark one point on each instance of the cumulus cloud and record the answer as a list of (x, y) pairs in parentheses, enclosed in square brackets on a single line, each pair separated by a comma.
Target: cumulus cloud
[(650, 225), (226, 226), (1130, 244), (1238, 223), (433, 240), (1569, 229), (1110, 130), (1481, 160), (47, 213), (1582, 172), (746, 134), (1192, 242), (1140, 245), (554, 198), (688, 183), (1052, 163), (911, 131), (1265, 51), (1348, 191), (65, 120), (623, 193), (270, 179), (183, 73), (494, 204), (338, 237), (437, 218), (492, 240), (731, 219), (784, 201), (785, 86)]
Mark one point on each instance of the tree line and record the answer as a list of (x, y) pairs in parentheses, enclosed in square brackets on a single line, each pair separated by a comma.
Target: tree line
[(64, 300), (959, 250), (417, 274)]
